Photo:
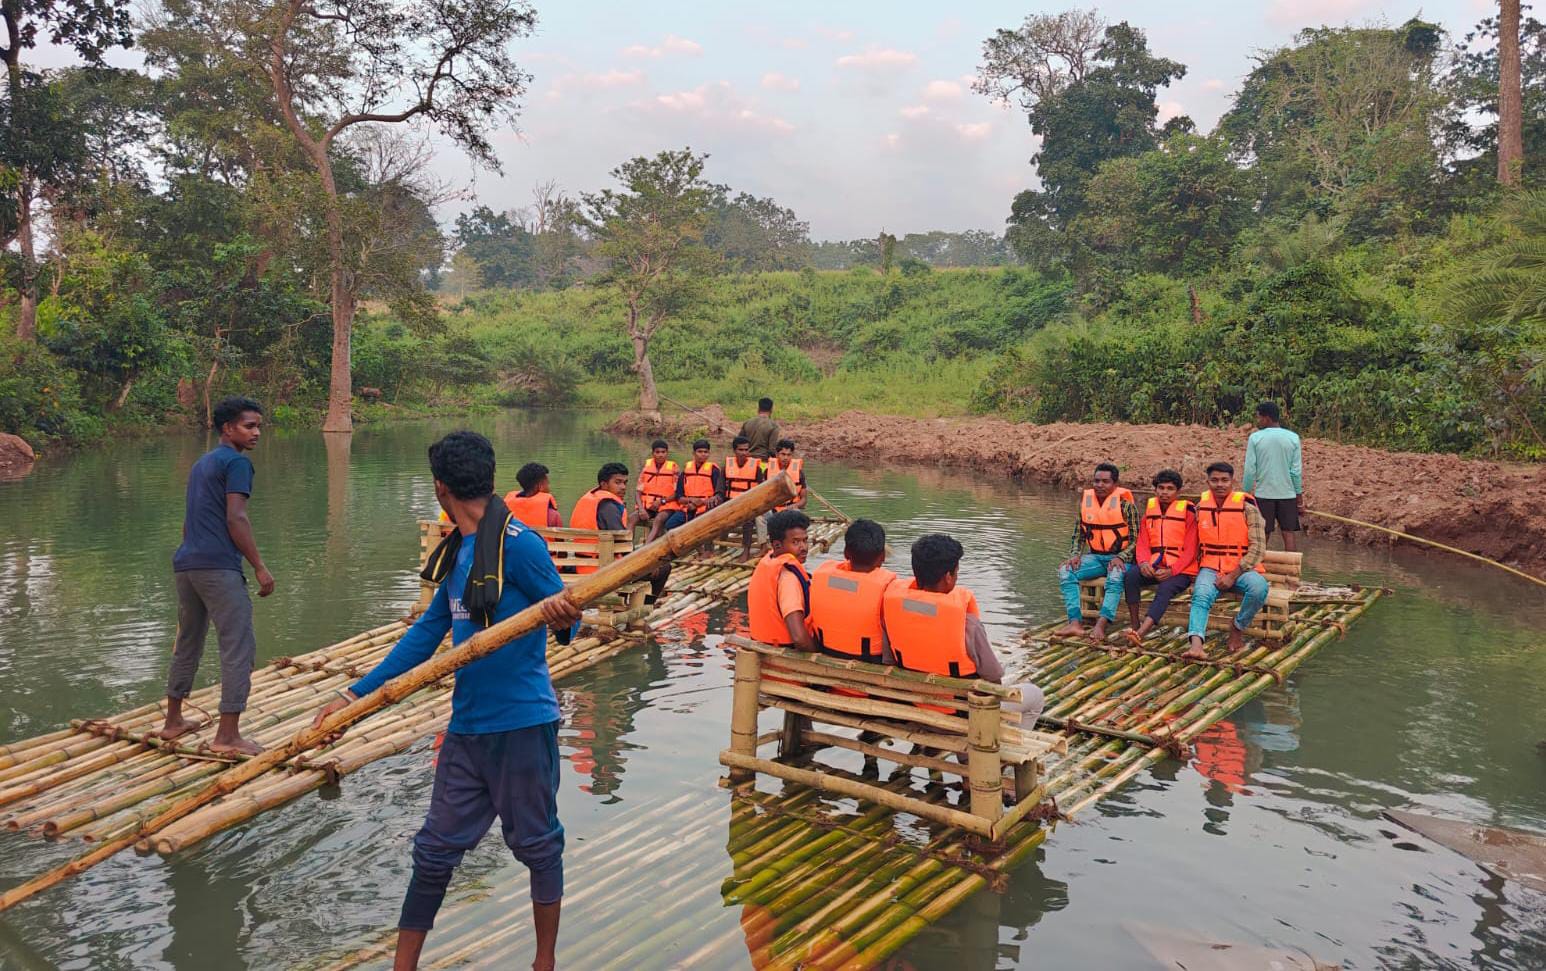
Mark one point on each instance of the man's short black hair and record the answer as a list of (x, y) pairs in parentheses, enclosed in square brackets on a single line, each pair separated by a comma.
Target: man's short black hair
[(1221, 467), (659, 443), (864, 544), (1116, 473), (934, 556), (230, 409), (531, 473), (1168, 475), (765, 404), (782, 522), (700, 443), (609, 470), (784, 443), (464, 463), (739, 440), (1269, 410)]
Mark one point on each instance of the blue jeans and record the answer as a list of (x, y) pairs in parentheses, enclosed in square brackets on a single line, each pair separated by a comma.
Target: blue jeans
[(511, 776), (1253, 593), (1092, 565)]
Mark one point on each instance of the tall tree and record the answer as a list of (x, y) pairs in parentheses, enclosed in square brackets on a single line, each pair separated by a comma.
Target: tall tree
[(1511, 147), (88, 27), (650, 233), (1089, 91), (334, 66), (1473, 84), (754, 234)]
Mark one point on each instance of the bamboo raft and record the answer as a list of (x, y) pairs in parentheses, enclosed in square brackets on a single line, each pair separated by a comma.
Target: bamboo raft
[(829, 883), (100, 778)]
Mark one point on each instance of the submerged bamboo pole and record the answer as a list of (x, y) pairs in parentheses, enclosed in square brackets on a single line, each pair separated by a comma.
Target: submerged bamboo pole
[(636, 564)]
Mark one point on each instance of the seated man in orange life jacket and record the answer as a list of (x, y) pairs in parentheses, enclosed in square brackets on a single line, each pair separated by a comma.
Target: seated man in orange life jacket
[(657, 502), (933, 625), (1105, 537), (743, 473), (1231, 541), (533, 504), (779, 599), (602, 508)]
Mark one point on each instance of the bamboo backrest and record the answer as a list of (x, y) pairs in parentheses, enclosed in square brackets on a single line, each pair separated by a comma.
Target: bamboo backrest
[(891, 700)]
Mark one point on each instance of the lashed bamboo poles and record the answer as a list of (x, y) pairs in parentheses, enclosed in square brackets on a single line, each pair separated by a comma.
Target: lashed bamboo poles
[(106, 799), (636, 564)]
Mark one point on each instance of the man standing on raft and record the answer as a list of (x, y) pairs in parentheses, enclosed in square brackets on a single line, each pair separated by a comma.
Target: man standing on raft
[(500, 757), (217, 535)]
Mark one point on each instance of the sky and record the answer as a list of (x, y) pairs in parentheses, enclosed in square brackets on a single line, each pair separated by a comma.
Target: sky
[(856, 114)]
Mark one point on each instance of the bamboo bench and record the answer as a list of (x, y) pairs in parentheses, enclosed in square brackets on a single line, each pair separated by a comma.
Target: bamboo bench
[(570, 549), (1270, 622), (991, 738)]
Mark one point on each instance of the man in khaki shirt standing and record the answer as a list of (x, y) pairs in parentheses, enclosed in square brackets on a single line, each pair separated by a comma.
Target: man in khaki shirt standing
[(762, 430)]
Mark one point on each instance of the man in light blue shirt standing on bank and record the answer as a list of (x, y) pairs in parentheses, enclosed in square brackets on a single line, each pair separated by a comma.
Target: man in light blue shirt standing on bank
[(1273, 474)]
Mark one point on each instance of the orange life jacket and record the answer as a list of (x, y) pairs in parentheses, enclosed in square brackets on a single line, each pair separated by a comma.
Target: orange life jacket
[(1222, 534), (928, 630), (533, 509), (657, 484), (740, 477), (698, 480), (846, 610), (584, 517), (766, 621), (1102, 523), (796, 467), (1166, 531)]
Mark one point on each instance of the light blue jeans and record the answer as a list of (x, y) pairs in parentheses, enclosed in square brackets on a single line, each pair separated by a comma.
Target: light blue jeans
[(1253, 593), (1093, 565)]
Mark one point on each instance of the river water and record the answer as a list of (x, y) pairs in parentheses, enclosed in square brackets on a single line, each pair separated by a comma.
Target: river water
[(1436, 699)]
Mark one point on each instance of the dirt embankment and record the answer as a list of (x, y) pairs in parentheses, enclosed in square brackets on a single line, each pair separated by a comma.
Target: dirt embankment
[(1496, 509)]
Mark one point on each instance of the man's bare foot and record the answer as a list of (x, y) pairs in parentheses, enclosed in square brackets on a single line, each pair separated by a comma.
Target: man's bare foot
[(1071, 629), (236, 746), (1098, 632), (176, 728), (1236, 639), (1134, 639), (1197, 652)]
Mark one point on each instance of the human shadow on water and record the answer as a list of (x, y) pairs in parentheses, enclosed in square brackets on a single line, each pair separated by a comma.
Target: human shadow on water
[(599, 713)]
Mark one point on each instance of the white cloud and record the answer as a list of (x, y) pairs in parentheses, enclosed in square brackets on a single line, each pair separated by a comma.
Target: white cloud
[(915, 111), (780, 82), (893, 140), (671, 45), (1169, 110), (716, 104), (975, 131), (837, 34), (943, 90), (878, 58), (594, 82), (1213, 84)]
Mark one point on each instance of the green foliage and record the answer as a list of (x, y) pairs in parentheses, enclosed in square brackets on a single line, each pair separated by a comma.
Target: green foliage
[(40, 399)]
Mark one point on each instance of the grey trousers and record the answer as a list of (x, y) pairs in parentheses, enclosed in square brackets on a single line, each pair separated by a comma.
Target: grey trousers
[(219, 596)]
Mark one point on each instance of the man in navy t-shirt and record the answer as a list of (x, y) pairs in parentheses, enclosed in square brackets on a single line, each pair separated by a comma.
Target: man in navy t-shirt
[(217, 535), (500, 755)]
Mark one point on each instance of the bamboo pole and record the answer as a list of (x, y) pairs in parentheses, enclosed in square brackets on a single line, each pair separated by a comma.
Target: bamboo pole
[(636, 564), (743, 710), (1401, 534), (984, 770)]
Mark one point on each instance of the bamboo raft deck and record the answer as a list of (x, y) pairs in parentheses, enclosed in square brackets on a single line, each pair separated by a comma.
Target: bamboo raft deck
[(829, 883), (100, 778)]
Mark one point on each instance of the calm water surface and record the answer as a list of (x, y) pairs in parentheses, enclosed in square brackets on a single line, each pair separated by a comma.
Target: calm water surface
[(1436, 699)]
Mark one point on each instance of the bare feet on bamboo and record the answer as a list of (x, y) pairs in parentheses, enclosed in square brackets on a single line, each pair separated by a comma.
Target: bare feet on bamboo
[(1236, 639), (1071, 629), (1197, 652), (1098, 632), (176, 727), (234, 746)]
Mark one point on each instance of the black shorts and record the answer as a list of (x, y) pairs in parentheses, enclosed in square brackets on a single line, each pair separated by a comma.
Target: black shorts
[(1282, 512)]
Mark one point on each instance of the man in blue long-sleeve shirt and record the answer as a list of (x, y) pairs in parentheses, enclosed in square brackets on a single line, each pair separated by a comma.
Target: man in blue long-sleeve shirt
[(1273, 473), (500, 756)]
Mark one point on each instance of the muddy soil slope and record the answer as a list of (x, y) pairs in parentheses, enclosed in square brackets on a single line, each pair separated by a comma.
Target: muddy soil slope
[(1497, 509)]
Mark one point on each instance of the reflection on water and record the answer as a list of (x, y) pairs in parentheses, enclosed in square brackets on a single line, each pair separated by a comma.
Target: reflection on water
[(1272, 836)]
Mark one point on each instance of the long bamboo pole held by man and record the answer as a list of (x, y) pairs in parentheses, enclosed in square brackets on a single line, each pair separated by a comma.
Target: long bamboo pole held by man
[(640, 562)]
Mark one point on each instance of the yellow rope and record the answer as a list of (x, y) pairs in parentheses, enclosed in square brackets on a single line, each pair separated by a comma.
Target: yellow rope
[(1427, 542)]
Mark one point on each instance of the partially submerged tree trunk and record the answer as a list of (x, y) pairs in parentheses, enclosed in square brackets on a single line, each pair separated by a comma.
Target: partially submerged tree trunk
[(649, 397), (1511, 152), (340, 384)]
